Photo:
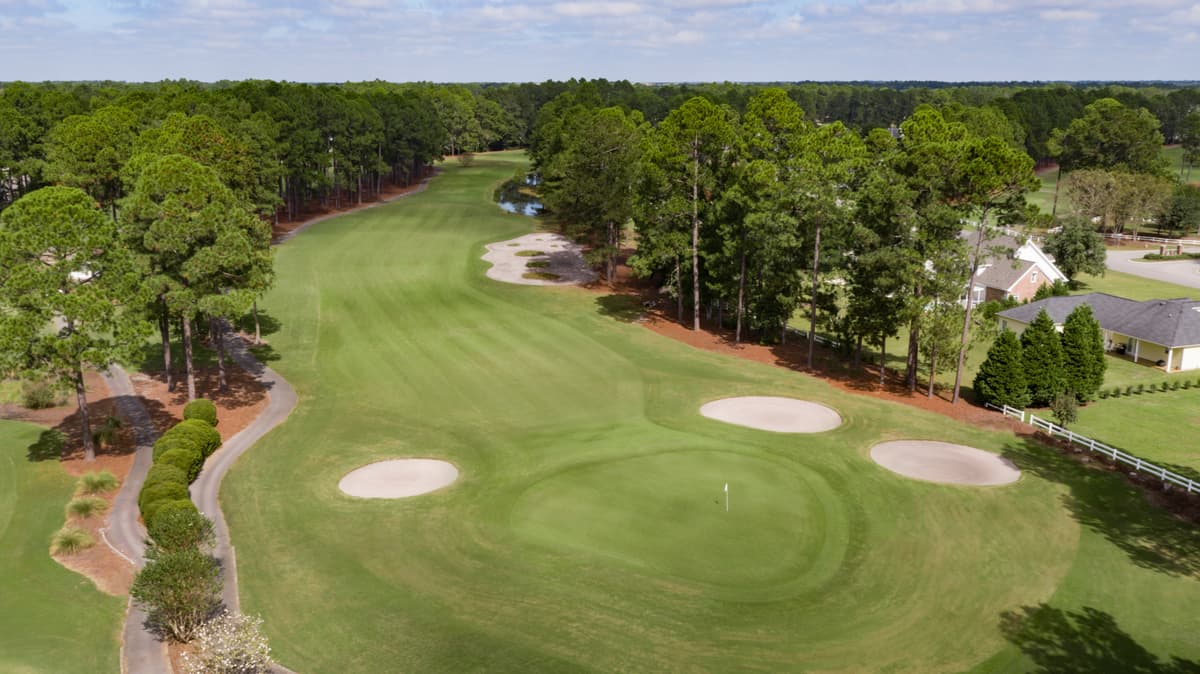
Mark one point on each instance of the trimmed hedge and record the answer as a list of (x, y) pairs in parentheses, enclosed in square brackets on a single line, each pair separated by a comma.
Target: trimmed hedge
[(165, 472), (187, 460), (205, 437), (202, 409), (168, 442), (160, 508), (165, 491)]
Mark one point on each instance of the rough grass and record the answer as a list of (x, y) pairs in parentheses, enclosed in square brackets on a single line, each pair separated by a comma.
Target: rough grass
[(97, 482), (1156, 426), (588, 532), (70, 540), (86, 506), (541, 275), (51, 619), (528, 253), (537, 264)]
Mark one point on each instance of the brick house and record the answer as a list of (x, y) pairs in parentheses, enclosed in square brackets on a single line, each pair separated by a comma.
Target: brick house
[(1017, 274)]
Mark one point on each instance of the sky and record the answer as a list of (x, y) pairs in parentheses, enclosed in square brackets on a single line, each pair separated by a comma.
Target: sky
[(535, 40)]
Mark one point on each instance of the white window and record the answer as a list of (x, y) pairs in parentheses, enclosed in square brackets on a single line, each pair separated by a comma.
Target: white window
[(1034, 277)]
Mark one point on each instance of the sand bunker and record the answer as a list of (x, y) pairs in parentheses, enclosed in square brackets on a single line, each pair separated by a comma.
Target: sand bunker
[(565, 261), (781, 415), (398, 478), (943, 462)]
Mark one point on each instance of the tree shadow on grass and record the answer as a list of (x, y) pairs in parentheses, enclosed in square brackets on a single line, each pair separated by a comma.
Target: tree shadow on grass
[(267, 323), (48, 446), (1104, 502), (625, 308), (1082, 642)]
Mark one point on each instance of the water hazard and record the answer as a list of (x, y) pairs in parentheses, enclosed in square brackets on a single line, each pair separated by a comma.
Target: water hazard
[(518, 196)]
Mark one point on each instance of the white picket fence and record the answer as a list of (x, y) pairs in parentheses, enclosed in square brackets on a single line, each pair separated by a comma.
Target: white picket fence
[(1153, 239), (1092, 445)]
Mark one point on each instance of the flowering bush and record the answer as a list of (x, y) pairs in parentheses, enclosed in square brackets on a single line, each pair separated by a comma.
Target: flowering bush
[(231, 643)]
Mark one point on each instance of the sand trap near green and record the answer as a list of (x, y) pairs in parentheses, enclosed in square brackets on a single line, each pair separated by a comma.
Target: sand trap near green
[(770, 413), (398, 478), (944, 462)]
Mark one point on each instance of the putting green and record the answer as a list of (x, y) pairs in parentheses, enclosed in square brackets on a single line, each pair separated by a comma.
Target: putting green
[(666, 513), (587, 530)]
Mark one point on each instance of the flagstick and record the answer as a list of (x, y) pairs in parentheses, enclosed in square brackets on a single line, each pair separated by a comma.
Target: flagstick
[(726, 497)]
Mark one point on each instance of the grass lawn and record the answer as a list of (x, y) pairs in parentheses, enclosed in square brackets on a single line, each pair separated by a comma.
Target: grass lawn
[(1044, 196), (1158, 427), (10, 391), (588, 530), (51, 619)]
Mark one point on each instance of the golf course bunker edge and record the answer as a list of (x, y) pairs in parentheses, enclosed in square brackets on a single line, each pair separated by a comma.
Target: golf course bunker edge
[(772, 413), (944, 462), (398, 478)]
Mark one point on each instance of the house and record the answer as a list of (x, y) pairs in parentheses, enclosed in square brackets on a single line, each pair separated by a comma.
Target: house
[(1163, 332), (1017, 274)]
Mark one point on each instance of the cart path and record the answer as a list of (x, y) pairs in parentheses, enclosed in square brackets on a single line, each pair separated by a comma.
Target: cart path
[(141, 650)]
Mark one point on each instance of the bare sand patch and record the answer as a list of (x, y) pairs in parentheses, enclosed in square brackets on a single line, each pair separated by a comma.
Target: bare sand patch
[(398, 478), (776, 414), (564, 260), (944, 462)]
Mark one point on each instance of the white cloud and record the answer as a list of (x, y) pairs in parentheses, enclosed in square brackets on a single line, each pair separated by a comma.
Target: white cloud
[(597, 8), (1068, 15)]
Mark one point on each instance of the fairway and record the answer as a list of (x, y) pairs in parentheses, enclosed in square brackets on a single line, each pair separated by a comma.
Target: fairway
[(587, 529), (51, 620)]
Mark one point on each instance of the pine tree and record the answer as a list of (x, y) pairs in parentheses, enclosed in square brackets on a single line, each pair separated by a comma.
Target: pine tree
[(1001, 377), (1041, 351), (1083, 354)]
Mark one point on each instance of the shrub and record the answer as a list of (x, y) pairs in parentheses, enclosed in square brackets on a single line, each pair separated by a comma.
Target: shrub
[(70, 540), (106, 433), (168, 442), (165, 472), (1065, 408), (231, 642), (165, 491), (1175, 385), (177, 527), (157, 510), (179, 591), (38, 395), (1141, 388), (187, 460), (86, 506), (1129, 390), (202, 409), (1164, 386), (98, 483), (1116, 392), (206, 438), (1187, 383), (1103, 395)]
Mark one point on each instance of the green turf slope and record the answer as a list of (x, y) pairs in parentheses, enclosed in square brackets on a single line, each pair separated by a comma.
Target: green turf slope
[(51, 620), (588, 530)]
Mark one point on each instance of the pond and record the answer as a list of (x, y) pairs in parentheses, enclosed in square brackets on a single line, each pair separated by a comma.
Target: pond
[(517, 196)]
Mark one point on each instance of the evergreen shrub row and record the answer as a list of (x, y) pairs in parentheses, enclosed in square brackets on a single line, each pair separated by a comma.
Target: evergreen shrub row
[(178, 458)]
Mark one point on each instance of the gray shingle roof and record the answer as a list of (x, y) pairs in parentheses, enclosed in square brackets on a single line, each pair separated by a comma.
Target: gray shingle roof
[(1002, 274), (1171, 323)]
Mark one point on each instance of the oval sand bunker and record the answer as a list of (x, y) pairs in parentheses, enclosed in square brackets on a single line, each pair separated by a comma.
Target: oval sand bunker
[(768, 413), (944, 462), (398, 478)]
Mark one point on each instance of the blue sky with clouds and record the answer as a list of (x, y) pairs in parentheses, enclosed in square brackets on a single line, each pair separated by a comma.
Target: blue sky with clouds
[(533, 40)]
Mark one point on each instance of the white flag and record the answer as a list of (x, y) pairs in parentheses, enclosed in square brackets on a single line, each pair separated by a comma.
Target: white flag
[(726, 487)]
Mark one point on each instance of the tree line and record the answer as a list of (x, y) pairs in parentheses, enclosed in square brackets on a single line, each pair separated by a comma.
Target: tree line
[(757, 216)]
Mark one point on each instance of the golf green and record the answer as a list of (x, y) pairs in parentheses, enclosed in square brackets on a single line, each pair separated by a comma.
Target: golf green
[(647, 510), (587, 530)]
